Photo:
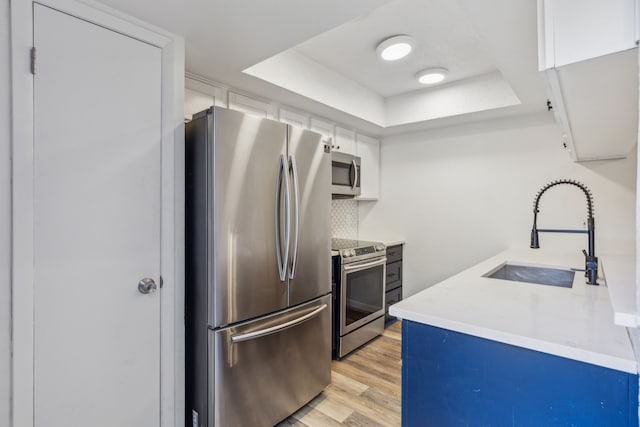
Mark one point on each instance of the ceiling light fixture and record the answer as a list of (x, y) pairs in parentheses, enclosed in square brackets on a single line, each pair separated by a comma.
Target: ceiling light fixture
[(395, 47), (432, 75)]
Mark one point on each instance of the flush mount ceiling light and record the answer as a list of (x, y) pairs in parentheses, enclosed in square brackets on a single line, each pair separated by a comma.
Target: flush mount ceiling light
[(432, 75), (395, 47)]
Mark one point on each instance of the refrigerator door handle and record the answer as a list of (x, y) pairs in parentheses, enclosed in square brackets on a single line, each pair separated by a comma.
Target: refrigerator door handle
[(296, 216), (282, 261), (236, 338)]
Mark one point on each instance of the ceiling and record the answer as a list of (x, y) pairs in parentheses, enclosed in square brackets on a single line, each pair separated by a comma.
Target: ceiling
[(319, 55), (446, 39)]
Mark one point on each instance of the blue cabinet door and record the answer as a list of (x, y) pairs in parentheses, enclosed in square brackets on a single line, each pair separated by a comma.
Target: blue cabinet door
[(453, 379)]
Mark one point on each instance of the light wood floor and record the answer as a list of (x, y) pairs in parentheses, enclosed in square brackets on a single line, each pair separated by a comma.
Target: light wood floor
[(364, 390)]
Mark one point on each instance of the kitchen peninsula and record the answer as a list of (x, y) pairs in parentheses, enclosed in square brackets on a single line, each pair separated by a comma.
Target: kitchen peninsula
[(484, 351)]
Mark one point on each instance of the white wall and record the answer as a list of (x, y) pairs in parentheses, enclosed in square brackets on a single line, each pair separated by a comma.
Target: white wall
[(5, 211), (460, 195)]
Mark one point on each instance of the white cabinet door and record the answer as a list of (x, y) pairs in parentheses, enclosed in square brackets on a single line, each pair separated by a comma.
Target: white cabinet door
[(97, 204), (251, 105), (345, 141), (199, 96), (294, 118), (368, 149), (598, 118), (580, 44), (570, 31), (194, 102), (324, 128)]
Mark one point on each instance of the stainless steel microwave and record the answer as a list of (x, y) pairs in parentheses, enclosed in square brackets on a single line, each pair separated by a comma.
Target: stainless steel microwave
[(345, 175)]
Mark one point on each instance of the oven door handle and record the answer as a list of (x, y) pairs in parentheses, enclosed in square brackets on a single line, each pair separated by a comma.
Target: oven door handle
[(357, 266)]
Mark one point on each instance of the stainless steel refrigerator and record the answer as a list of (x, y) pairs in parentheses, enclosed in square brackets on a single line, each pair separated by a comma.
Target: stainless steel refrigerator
[(258, 285)]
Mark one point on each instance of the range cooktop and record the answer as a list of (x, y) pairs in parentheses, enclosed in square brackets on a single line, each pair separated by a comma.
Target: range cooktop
[(356, 250), (340, 244)]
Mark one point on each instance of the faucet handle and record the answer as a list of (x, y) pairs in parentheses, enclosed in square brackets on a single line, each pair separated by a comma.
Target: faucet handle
[(585, 253)]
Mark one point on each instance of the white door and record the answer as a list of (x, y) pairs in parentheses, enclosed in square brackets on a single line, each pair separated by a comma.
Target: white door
[(97, 206)]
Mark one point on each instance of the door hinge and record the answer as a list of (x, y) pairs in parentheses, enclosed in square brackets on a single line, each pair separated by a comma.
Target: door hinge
[(33, 60)]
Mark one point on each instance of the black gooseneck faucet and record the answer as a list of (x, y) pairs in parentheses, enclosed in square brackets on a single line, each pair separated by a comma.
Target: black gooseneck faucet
[(591, 261)]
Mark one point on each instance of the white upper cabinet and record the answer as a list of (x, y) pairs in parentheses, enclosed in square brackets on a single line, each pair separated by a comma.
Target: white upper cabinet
[(368, 149), (294, 118), (250, 105), (323, 127), (199, 96), (598, 117), (570, 31), (345, 141), (589, 60), (194, 102)]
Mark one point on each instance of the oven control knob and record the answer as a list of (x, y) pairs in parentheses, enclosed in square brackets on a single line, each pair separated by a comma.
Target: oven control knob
[(379, 248), (352, 252), (346, 253)]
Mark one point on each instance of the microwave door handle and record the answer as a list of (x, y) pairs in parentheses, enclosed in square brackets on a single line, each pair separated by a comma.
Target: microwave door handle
[(355, 174), (296, 215), (282, 261)]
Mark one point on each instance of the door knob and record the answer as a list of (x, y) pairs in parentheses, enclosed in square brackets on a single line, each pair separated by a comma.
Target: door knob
[(147, 286)]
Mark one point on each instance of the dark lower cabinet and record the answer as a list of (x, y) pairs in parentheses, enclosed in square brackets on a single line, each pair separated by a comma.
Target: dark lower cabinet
[(454, 379), (394, 274), (393, 280), (393, 296)]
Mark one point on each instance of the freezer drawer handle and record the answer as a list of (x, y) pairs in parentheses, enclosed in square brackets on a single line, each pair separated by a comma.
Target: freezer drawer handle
[(272, 330)]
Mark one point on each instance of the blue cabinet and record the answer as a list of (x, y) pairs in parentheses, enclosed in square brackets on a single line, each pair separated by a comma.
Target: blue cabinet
[(454, 379)]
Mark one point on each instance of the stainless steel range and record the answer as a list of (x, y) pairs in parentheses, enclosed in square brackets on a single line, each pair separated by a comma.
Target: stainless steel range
[(359, 289)]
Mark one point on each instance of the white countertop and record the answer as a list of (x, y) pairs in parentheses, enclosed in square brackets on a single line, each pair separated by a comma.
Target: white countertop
[(620, 273), (576, 323)]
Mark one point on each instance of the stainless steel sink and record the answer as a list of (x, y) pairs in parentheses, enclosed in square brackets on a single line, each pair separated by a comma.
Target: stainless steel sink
[(537, 275)]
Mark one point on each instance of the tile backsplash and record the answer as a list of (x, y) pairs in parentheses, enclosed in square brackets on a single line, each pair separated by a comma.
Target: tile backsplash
[(344, 218)]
